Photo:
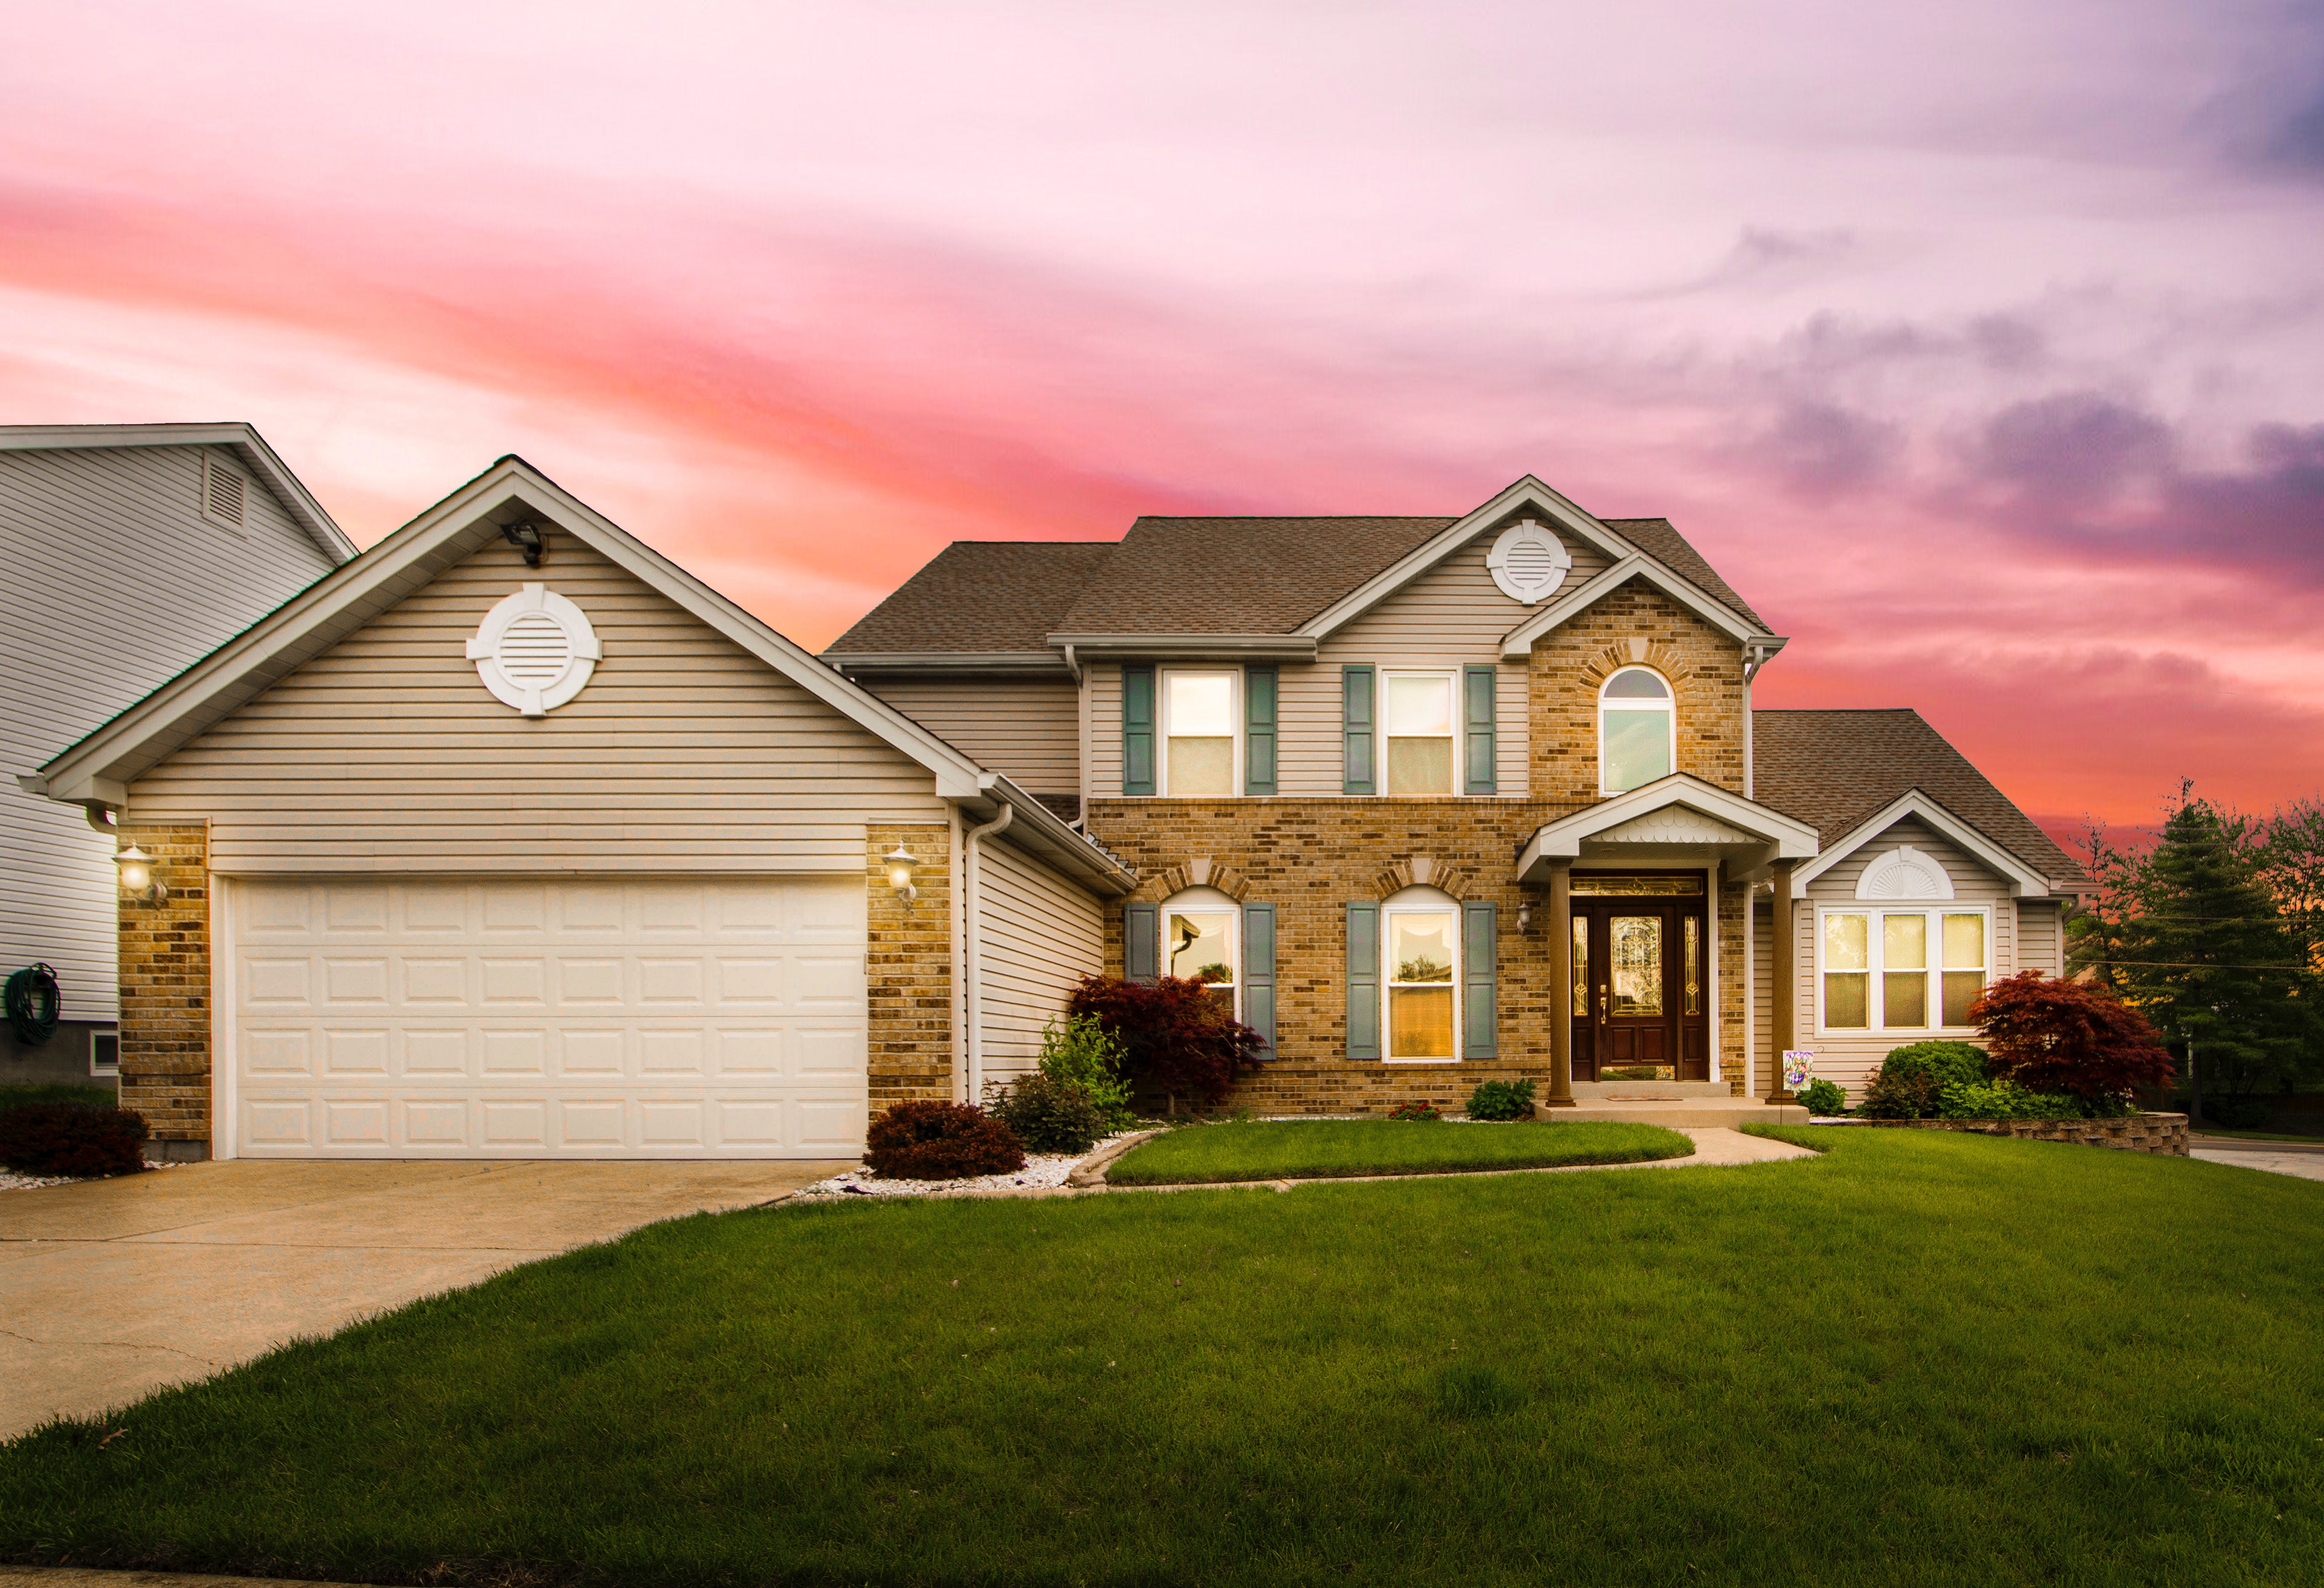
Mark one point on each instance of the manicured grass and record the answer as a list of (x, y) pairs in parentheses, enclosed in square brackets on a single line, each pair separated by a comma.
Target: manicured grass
[(99, 1094), (2313, 1139), (1306, 1150), (1921, 1359)]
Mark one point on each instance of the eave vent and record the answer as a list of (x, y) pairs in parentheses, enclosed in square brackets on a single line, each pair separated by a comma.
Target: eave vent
[(224, 493)]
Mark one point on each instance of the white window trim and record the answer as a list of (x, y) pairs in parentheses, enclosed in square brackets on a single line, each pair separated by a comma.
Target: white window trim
[(1446, 905), (1207, 900), (1452, 677), (1875, 949), (113, 1069), (1669, 707), (1162, 677)]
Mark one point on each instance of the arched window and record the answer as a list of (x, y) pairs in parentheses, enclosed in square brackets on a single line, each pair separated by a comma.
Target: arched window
[(1638, 731), (1420, 948), (1200, 938)]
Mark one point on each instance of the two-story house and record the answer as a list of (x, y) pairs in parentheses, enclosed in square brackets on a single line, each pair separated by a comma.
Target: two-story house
[(510, 838), (1440, 799)]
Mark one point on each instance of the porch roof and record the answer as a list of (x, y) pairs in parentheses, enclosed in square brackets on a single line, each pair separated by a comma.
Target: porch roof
[(1676, 818)]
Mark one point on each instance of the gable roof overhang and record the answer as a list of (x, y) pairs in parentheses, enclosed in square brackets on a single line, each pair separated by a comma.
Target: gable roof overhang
[(2024, 881), (1518, 642), (243, 441), (97, 773), (1030, 664), (1191, 647), (1679, 816)]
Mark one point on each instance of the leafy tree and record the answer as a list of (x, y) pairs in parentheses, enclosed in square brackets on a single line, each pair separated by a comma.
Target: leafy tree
[(1175, 1034), (2195, 933), (2046, 1034)]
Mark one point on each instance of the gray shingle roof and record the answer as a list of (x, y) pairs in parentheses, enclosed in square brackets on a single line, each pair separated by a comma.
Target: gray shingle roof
[(1834, 770), (1176, 575), (976, 596)]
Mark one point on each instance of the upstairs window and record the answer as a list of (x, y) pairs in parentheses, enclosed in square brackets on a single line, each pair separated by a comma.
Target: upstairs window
[(1419, 752), (1198, 733), (1638, 731)]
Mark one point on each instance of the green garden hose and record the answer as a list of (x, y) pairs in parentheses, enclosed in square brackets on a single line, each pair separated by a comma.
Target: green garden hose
[(34, 1002)]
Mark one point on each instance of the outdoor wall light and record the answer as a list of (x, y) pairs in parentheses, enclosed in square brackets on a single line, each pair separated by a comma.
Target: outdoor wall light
[(1525, 915), (900, 861), (138, 882)]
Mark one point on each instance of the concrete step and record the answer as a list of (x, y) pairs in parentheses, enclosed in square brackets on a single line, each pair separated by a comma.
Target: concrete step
[(1596, 1092), (1678, 1113)]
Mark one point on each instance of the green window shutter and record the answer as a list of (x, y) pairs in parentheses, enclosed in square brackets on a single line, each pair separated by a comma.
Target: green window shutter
[(1260, 690), (1358, 728), (1476, 685), (1258, 972), (1142, 938), (1479, 979), (1363, 980), (1137, 730)]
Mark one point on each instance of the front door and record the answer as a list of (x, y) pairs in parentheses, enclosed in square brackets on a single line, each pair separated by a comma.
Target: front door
[(1640, 991)]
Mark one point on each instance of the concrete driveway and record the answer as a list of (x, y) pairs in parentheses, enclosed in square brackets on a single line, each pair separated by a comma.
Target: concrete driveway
[(110, 1289)]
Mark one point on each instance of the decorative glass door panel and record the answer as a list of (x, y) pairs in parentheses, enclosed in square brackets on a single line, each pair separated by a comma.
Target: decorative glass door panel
[(1641, 986)]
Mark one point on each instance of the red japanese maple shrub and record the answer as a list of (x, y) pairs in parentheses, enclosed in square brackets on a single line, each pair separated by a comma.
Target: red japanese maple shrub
[(1176, 1036), (940, 1141), (2048, 1035), (73, 1139)]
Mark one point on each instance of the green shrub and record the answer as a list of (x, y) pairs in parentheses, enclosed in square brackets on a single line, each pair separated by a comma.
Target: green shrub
[(71, 1139), (1946, 1064), (1824, 1098), (1086, 1053), (1907, 1096), (1501, 1099), (1048, 1113), (1418, 1109), (2004, 1100)]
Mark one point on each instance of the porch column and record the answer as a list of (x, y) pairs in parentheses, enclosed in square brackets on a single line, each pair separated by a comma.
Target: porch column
[(1560, 985), (1782, 1025)]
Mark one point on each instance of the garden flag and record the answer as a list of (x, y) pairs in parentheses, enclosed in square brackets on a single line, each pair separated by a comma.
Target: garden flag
[(1799, 1067)]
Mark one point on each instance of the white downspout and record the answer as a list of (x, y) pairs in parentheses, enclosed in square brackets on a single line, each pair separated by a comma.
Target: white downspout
[(972, 940)]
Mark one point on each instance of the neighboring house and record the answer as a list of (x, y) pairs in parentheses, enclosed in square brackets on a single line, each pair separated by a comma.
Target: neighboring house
[(128, 552), (510, 839), (1440, 799)]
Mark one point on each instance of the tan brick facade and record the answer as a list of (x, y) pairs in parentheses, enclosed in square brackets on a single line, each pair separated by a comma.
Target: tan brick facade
[(1636, 624), (165, 993), (908, 968)]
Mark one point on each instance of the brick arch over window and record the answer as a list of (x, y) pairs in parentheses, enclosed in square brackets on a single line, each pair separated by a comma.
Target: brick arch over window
[(1422, 870), (1634, 626), (1198, 872), (1660, 655)]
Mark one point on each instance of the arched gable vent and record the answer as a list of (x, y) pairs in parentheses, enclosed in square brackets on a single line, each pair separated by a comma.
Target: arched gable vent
[(1904, 872)]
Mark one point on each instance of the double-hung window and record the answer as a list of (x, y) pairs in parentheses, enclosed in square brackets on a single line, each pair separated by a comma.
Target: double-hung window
[(1419, 749), (1422, 945), (1908, 969), (1199, 753), (1198, 933)]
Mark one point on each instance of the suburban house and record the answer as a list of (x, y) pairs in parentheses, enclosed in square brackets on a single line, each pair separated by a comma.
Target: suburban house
[(128, 552), (510, 838)]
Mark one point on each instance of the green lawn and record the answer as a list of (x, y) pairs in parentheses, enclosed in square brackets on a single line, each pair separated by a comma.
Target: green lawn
[(98, 1094), (1333, 1149), (1922, 1358), (2312, 1139)]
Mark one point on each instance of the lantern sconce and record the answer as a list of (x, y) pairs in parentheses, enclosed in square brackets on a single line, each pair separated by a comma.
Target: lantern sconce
[(1525, 915), (138, 882), (900, 861)]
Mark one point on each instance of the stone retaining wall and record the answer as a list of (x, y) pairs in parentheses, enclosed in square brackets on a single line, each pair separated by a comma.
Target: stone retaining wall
[(2162, 1133)]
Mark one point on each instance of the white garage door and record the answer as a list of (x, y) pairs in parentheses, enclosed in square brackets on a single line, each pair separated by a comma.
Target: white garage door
[(622, 1018)]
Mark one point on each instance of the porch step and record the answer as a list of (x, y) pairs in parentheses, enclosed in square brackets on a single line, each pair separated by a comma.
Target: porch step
[(1694, 1111), (1596, 1092)]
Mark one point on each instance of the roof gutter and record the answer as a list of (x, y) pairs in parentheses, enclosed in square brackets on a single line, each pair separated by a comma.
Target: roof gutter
[(1037, 828), (1032, 663), (1171, 647)]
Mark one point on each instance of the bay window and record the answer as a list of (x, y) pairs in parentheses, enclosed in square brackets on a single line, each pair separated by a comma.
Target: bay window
[(1910, 969)]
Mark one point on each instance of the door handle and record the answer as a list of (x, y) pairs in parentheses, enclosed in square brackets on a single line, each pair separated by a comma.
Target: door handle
[(1601, 1003)]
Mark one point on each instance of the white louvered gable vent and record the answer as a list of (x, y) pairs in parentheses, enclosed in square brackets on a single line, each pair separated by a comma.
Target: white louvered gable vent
[(535, 651), (1904, 872), (224, 491), (1528, 562)]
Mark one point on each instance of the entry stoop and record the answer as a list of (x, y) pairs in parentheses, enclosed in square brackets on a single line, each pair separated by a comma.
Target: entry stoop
[(1674, 1103)]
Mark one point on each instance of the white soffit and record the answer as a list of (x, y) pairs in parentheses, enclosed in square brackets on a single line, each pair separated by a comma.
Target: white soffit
[(1674, 823), (2024, 881)]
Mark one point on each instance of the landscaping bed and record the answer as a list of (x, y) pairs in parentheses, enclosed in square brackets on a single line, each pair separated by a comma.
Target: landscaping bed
[(1312, 1149), (1922, 1359)]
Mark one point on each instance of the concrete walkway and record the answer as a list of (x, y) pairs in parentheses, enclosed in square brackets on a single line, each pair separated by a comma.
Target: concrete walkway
[(110, 1289), (2300, 1158)]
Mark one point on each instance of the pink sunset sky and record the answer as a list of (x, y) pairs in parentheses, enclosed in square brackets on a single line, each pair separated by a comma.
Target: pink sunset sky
[(1981, 345)]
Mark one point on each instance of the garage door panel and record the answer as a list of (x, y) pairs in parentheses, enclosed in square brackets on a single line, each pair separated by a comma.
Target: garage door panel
[(634, 1018)]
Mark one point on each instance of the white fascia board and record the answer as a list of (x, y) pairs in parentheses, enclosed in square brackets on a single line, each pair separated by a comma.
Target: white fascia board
[(248, 444), (1792, 839), (2024, 881), (1528, 492), (1518, 642), (350, 596), (1035, 663), (1199, 647)]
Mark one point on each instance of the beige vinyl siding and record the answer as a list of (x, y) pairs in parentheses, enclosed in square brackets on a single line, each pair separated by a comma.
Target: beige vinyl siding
[(386, 753), (1849, 1058), (115, 584), (1104, 687), (1023, 728), (2040, 943), (1040, 935)]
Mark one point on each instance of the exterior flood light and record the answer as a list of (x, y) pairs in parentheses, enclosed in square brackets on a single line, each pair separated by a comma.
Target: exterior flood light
[(138, 882), (900, 861)]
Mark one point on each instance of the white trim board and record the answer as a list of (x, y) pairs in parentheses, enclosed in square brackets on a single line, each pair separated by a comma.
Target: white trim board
[(1789, 838), (2024, 883)]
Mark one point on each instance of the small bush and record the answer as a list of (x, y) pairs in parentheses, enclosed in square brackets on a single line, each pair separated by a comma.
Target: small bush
[(69, 1139), (1908, 1094), (1176, 1035), (940, 1141), (1501, 1099), (1946, 1064), (1083, 1052), (2004, 1100), (1419, 1109), (1048, 1114), (1824, 1098)]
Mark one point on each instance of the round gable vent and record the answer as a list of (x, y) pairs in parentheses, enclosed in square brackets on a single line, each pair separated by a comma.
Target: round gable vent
[(1528, 562), (535, 651)]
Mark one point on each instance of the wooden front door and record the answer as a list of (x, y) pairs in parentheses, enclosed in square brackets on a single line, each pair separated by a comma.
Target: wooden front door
[(1641, 989)]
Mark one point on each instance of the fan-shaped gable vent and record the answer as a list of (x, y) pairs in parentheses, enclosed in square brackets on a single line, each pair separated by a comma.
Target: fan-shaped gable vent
[(535, 651), (1905, 873), (224, 493), (1528, 562)]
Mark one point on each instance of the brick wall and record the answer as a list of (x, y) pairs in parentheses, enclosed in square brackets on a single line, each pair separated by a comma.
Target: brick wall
[(908, 968), (1636, 624), (2163, 1134), (165, 993)]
